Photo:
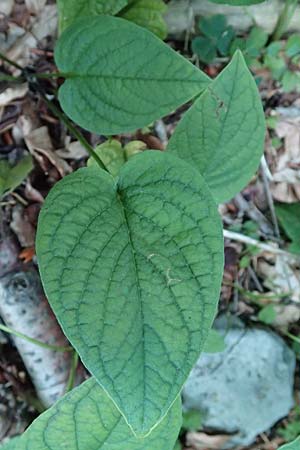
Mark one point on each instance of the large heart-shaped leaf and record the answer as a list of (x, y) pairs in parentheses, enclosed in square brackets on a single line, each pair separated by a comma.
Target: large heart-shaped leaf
[(132, 270), (222, 134), (86, 419), (70, 10), (126, 79)]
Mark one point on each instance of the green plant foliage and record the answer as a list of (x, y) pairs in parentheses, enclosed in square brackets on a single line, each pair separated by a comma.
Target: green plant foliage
[(289, 218), (113, 87), (267, 314), (111, 154), (148, 14), (192, 420), (86, 419), (217, 37), (222, 134), (214, 343), (238, 2), (292, 429), (295, 445), (11, 177), (120, 265), (70, 10)]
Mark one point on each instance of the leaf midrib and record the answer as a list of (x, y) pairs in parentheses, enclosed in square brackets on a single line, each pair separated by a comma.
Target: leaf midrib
[(119, 197)]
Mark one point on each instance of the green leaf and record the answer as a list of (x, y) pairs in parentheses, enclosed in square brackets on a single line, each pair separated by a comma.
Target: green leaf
[(71, 10), (293, 46), (111, 154), (238, 2), (192, 420), (214, 343), (129, 265), (289, 218), (148, 14), (295, 445), (222, 134), (213, 26), (127, 79), (177, 446), (267, 314), (11, 177), (204, 48), (86, 419), (290, 81), (225, 40), (256, 40)]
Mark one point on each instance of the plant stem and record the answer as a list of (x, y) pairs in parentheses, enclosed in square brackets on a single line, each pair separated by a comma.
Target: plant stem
[(291, 336), (60, 115), (51, 75), (74, 364), (9, 61), (250, 241), (5, 77), (35, 341), (284, 19)]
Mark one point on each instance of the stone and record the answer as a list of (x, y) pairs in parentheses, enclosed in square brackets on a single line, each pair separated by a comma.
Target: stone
[(247, 388)]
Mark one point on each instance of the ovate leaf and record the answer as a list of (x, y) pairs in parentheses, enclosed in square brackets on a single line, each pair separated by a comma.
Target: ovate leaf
[(148, 14), (127, 267), (295, 445), (71, 10), (222, 134), (289, 218), (126, 79), (86, 419), (11, 177), (111, 154)]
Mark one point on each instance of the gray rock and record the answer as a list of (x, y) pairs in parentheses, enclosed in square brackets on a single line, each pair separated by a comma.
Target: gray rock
[(247, 388)]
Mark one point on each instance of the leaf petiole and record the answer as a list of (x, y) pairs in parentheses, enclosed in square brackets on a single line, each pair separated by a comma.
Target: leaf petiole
[(56, 348)]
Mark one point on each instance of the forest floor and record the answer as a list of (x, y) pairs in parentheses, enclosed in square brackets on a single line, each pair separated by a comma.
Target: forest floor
[(261, 285)]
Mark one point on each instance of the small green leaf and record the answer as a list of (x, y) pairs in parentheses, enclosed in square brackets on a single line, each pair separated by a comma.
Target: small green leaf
[(127, 79), (292, 47), (289, 218), (213, 26), (225, 40), (295, 445), (86, 419), (127, 265), (256, 40), (71, 10), (148, 14), (267, 314), (177, 446), (111, 154), (11, 177), (204, 48), (290, 81), (222, 134), (192, 420), (214, 343)]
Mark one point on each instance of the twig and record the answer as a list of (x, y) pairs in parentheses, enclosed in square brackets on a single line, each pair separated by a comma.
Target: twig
[(269, 197), (250, 241), (9, 61)]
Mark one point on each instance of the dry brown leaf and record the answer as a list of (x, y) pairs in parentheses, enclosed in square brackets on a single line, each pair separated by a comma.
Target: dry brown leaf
[(39, 144), (286, 315), (281, 276), (10, 94), (286, 175), (6, 6), (22, 228), (35, 6), (203, 441), (72, 150)]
